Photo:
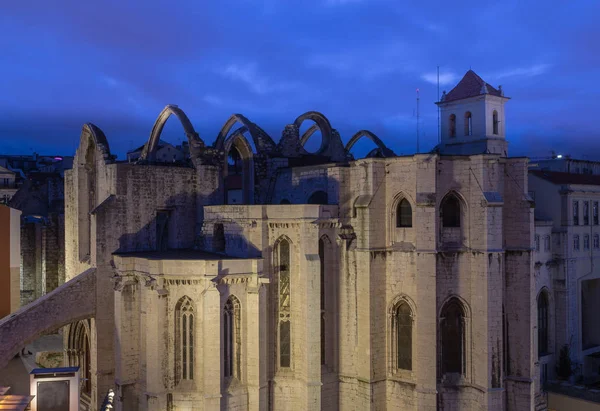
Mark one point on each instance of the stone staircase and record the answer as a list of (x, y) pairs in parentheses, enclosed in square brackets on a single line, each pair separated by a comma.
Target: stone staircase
[(73, 301)]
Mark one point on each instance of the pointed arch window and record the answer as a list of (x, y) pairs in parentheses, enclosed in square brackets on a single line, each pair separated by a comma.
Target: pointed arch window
[(495, 122), (323, 328), (542, 306), (402, 335), (184, 339), (453, 337), (232, 338), (404, 214), (451, 212), (468, 124), (452, 125), (284, 304)]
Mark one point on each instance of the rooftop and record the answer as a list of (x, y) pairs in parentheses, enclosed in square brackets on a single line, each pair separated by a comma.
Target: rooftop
[(471, 85), (561, 178)]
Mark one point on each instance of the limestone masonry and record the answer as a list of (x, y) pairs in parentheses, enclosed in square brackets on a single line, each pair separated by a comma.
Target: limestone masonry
[(258, 276)]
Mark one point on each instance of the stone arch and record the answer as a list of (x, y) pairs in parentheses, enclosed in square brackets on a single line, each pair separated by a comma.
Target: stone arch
[(321, 123), (392, 213), (185, 332), (453, 230), (280, 239), (262, 141), (400, 298), (239, 142), (401, 345), (402, 233), (232, 337), (91, 133), (149, 150), (465, 305), (463, 345), (386, 152), (78, 352), (544, 331)]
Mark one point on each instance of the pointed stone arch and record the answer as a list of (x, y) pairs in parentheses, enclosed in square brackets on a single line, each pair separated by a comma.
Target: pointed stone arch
[(78, 353), (149, 150), (385, 151), (454, 333), (91, 133), (262, 141), (93, 151), (321, 123), (239, 142)]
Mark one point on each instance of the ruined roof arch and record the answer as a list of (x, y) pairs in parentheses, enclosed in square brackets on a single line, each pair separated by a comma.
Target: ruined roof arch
[(240, 142), (385, 151), (321, 123), (262, 141), (91, 133), (194, 140)]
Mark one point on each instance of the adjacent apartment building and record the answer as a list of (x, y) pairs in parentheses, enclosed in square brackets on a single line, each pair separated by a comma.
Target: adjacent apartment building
[(10, 259), (566, 266)]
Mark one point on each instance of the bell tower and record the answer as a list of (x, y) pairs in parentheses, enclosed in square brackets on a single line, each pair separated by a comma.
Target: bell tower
[(472, 118)]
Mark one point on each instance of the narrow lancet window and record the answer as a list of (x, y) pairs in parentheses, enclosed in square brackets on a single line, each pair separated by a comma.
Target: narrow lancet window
[(232, 339), (452, 125), (184, 339), (284, 307), (404, 214), (468, 124), (453, 338), (403, 319), (495, 122)]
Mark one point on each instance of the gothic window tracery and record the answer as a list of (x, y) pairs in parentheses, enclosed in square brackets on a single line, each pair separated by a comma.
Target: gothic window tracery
[(284, 304), (184, 339), (232, 338)]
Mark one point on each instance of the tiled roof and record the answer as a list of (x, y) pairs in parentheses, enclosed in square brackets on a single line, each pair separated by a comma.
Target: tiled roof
[(560, 178), (470, 86)]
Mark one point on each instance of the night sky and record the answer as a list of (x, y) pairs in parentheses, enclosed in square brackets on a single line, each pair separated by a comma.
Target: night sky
[(118, 63)]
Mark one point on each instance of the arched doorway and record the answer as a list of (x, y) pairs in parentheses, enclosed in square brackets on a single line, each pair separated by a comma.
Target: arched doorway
[(79, 354)]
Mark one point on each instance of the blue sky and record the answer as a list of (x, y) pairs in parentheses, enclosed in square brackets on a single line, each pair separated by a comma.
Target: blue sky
[(117, 64)]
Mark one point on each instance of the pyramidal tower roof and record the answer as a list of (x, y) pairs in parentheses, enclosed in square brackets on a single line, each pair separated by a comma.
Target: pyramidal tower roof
[(471, 85)]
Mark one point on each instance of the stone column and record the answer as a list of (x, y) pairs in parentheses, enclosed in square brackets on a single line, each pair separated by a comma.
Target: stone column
[(346, 317), (211, 337), (255, 342), (312, 330), (156, 345)]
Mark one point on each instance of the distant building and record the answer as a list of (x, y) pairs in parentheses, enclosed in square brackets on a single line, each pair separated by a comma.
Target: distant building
[(567, 265), (41, 201), (566, 164), (10, 259), (8, 184), (165, 153)]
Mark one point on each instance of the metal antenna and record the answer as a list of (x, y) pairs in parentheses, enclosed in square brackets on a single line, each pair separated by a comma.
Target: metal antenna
[(438, 99), (417, 121)]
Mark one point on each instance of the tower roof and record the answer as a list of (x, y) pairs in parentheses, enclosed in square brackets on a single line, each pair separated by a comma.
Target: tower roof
[(471, 85)]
